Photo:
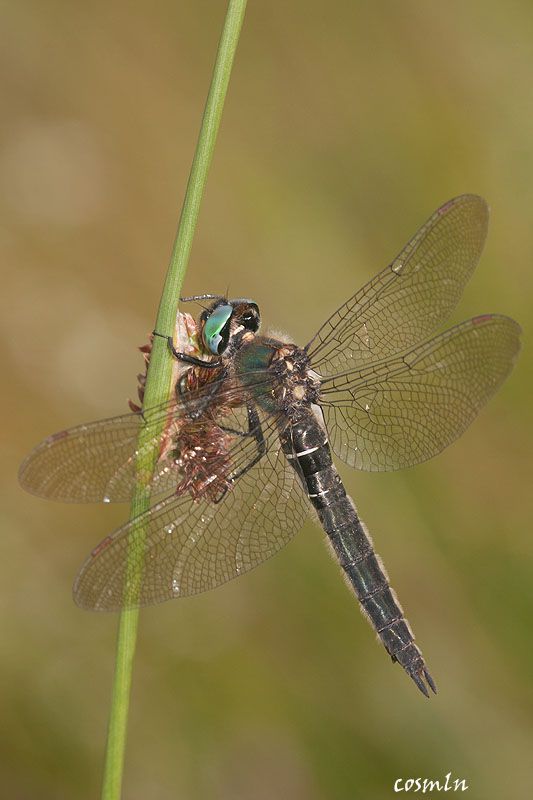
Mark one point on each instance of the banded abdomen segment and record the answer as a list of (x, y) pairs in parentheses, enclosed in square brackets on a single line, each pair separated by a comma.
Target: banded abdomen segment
[(352, 545)]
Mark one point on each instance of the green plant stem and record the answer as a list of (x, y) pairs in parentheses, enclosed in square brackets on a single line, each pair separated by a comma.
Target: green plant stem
[(157, 391)]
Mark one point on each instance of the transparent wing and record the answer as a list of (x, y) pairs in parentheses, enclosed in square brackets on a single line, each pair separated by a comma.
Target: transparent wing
[(96, 461), (404, 410), (411, 297), (93, 462), (192, 546)]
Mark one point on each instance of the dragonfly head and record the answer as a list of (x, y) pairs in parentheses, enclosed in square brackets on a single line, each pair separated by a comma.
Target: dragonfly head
[(226, 319)]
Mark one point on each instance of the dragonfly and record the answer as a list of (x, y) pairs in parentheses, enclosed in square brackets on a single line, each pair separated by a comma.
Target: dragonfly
[(244, 446)]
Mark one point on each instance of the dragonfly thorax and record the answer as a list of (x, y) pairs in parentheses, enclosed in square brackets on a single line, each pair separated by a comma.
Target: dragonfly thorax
[(287, 384), (297, 384)]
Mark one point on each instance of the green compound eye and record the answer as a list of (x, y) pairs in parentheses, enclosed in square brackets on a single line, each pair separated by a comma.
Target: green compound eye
[(215, 337)]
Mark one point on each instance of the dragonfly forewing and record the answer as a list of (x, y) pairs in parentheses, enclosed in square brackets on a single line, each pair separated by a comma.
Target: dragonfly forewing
[(409, 299), (91, 463), (97, 461)]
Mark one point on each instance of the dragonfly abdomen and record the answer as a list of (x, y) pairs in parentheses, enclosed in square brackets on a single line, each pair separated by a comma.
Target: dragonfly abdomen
[(353, 547)]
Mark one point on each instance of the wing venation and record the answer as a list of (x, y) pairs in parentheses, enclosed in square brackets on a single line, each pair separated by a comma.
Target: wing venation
[(406, 409), (410, 298)]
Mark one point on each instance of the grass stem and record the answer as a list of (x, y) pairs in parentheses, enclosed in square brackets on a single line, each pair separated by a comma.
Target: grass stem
[(158, 388)]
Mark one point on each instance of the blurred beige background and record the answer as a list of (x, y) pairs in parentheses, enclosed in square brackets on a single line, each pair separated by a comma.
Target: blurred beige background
[(343, 130)]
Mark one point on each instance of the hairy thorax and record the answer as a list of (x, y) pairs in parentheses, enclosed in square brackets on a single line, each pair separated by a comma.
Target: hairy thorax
[(277, 374)]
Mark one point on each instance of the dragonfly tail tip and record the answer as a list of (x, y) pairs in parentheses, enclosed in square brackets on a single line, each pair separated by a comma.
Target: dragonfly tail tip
[(421, 678), (430, 681), (420, 683)]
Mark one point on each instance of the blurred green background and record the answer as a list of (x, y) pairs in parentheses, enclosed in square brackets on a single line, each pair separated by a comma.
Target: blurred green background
[(343, 130)]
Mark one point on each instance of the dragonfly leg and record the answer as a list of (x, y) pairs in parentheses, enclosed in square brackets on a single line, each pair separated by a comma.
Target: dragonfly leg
[(196, 297), (254, 430), (196, 362), (234, 431)]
